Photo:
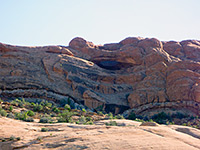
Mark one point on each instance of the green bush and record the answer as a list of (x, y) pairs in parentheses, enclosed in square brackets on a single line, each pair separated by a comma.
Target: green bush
[(139, 120), (33, 104), (65, 116), (100, 113), (38, 107), (132, 116), (30, 113), (46, 119), (111, 123), (44, 129), (61, 119), (56, 110), (29, 119), (89, 119), (24, 116), (110, 115), (21, 116), (10, 108), (19, 102), (161, 118), (53, 114), (67, 107), (84, 110), (11, 115), (179, 115), (46, 103), (14, 102), (119, 117), (90, 122), (82, 120), (18, 138), (3, 112), (12, 138)]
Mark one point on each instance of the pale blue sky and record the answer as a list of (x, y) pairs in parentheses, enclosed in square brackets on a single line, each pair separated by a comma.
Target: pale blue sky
[(56, 22)]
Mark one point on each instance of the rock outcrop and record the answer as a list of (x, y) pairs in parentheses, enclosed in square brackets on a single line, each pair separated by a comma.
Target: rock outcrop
[(144, 75)]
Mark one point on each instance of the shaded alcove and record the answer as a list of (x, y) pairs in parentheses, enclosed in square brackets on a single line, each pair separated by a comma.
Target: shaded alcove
[(112, 64)]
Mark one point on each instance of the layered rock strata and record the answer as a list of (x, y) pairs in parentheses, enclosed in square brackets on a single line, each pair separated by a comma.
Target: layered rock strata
[(141, 74)]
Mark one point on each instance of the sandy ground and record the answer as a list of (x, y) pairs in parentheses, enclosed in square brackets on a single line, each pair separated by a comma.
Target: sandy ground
[(129, 135)]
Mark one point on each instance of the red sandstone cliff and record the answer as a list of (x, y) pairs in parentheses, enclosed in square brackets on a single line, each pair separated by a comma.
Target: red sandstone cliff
[(140, 74)]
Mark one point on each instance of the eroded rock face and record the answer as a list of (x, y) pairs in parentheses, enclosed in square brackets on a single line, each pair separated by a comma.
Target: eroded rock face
[(136, 73)]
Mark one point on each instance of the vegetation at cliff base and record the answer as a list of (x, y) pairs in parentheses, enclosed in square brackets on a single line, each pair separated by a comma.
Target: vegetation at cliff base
[(48, 112)]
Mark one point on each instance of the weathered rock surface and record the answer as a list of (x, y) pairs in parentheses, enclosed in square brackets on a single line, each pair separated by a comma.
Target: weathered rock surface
[(139, 74), (127, 135)]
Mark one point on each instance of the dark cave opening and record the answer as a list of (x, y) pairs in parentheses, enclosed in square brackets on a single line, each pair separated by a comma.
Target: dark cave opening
[(112, 64)]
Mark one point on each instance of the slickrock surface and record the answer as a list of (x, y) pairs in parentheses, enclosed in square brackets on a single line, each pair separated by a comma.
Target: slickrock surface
[(130, 135), (139, 74)]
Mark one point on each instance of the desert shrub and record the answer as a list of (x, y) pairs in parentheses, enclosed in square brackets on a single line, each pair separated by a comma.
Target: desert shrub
[(3, 140), (89, 119), (46, 119), (139, 120), (46, 103), (132, 116), (39, 138), (29, 119), (21, 116), (90, 123), (18, 138), (19, 102), (109, 115), (44, 129), (179, 115), (111, 123), (14, 102), (100, 113), (67, 107), (56, 110), (28, 104), (151, 120), (83, 110), (30, 113), (12, 138), (10, 108), (85, 120), (53, 114), (24, 116), (38, 107), (3, 112), (65, 116), (33, 104), (184, 124), (61, 119), (11, 115), (119, 116), (161, 118), (82, 120)]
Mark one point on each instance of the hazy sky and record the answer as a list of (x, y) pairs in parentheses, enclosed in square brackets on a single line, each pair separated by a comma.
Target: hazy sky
[(56, 22)]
